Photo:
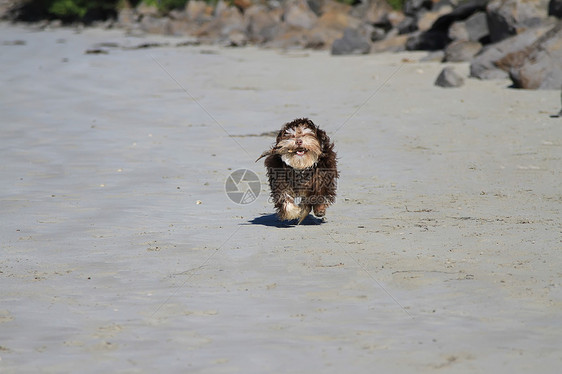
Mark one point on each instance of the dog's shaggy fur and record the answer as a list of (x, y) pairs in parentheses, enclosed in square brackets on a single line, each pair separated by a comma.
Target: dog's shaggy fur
[(302, 170)]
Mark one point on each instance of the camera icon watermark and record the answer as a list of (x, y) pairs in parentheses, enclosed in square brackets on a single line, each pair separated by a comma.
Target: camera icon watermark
[(242, 186)]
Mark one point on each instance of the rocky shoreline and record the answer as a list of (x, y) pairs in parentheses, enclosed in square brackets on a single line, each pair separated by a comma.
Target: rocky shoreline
[(500, 39)]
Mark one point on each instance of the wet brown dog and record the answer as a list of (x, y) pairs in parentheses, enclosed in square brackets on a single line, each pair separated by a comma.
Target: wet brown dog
[(302, 170)]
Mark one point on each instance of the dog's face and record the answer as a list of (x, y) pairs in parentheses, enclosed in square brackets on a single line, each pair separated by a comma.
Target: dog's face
[(301, 144)]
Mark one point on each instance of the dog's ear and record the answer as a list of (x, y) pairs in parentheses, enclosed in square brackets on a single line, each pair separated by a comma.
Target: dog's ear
[(324, 139)]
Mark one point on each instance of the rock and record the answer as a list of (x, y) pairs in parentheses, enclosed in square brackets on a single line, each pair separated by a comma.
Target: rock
[(226, 27), (177, 15), (351, 43), (317, 6), (377, 34), (509, 17), (263, 24), (539, 66), (407, 25), (460, 13), (155, 25), (127, 17), (242, 4), (426, 20), (430, 40), (299, 15), (483, 65), (336, 16), (449, 78), (5, 9), (196, 11), (477, 27), (462, 50), (413, 7), (289, 38), (393, 18), (392, 43), (321, 37), (377, 11), (555, 8), (147, 10), (221, 6), (458, 31), (236, 38)]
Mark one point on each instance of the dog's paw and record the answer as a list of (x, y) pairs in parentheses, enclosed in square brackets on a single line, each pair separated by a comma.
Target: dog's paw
[(320, 210)]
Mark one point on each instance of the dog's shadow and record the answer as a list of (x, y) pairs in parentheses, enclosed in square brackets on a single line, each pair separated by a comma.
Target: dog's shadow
[(271, 220)]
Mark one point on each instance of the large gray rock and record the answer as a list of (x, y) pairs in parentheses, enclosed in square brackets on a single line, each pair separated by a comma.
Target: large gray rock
[(263, 24), (483, 66), (509, 17), (352, 43), (538, 66), (477, 27)]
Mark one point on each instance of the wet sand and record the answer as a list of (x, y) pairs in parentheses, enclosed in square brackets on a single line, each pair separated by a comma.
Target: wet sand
[(122, 252)]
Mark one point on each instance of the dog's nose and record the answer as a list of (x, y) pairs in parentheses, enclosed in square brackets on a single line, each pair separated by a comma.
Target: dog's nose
[(298, 141)]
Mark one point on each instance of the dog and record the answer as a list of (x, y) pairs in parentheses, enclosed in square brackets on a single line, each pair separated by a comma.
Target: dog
[(302, 171)]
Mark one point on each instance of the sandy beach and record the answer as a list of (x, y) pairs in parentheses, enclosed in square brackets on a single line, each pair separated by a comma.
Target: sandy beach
[(122, 252)]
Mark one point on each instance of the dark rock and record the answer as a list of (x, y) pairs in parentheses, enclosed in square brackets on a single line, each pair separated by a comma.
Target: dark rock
[(449, 78), (460, 13), (539, 66), (377, 34), (510, 17), (483, 65), (437, 36), (555, 8), (351, 43), (317, 6), (407, 25), (462, 50), (430, 40)]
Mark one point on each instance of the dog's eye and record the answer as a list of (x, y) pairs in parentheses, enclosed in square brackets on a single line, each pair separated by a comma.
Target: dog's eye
[(290, 132)]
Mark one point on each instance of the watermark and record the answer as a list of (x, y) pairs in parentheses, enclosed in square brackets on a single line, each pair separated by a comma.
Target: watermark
[(242, 186), (307, 180)]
